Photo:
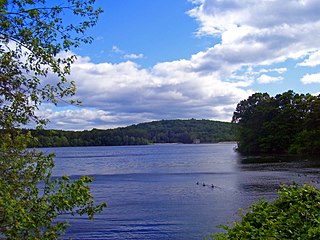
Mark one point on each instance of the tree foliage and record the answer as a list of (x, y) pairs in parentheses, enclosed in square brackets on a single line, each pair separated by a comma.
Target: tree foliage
[(286, 123), (31, 200), (295, 214), (165, 131), (33, 37)]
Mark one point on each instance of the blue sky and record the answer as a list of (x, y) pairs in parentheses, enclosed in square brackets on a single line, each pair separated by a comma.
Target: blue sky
[(182, 59), (159, 29)]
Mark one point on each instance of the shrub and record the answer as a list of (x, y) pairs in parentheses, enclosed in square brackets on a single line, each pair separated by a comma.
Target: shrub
[(295, 214)]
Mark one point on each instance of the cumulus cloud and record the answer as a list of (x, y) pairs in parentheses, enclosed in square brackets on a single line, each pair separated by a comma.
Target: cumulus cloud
[(268, 79), (216, 16), (169, 90), (312, 61), (259, 32), (311, 78), (254, 36), (87, 118)]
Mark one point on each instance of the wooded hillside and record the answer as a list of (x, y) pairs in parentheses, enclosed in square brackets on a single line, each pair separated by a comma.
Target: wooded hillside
[(165, 131)]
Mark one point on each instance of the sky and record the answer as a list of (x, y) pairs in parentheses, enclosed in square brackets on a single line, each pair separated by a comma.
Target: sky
[(182, 59)]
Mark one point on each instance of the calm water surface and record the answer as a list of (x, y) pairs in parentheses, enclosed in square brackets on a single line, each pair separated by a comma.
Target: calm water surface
[(152, 191)]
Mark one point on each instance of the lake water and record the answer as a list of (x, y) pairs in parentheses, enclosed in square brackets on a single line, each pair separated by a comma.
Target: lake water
[(157, 192)]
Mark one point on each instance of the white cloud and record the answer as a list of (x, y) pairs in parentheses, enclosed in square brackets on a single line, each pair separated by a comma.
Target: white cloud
[(122, 94), (79, 118), (255, 35), (116, 49), (311, 78), (216, 16), (133, 56), (259, 32), (312, 61), (125, 55), (268, 79), (277, 70)]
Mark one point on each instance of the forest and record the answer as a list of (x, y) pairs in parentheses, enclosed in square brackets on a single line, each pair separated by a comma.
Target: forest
[(286, 123), (164, 131)]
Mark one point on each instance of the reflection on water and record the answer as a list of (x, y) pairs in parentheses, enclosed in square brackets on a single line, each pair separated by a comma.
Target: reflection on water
[(263, 175), (288, 161), (165, 191)]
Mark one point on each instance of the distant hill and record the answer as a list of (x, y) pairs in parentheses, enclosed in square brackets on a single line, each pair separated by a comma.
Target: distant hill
[(165, 131)]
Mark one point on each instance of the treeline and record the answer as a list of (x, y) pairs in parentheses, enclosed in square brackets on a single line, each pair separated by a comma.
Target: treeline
[(165, 131), (286, 123)]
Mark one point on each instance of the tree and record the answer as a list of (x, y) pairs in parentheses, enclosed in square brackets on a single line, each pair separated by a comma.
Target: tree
[(307, 140), (286, 123), (250, 115), (33, 39), (295, 214)]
